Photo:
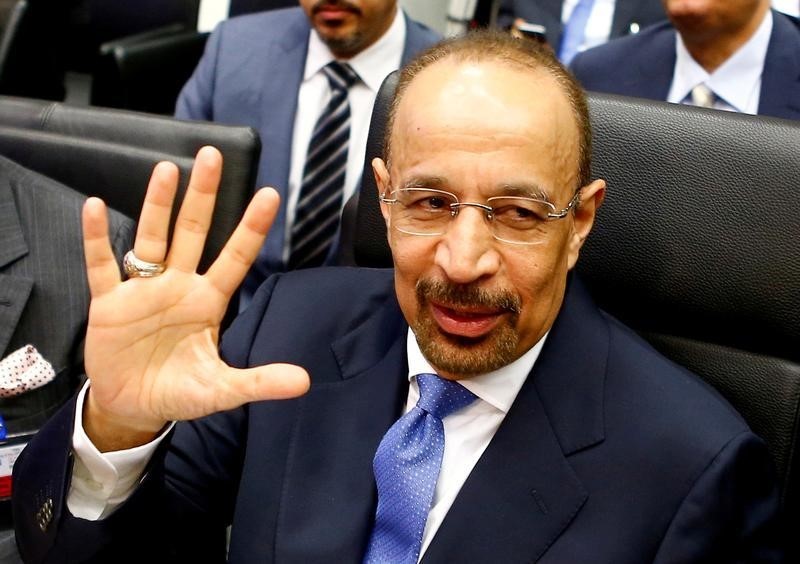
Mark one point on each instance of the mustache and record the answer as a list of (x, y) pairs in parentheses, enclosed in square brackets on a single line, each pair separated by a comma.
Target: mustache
[(343, 4), (467, 295)]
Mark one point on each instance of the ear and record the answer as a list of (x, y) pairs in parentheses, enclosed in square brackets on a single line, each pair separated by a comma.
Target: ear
[(592, 196), (382, 182)]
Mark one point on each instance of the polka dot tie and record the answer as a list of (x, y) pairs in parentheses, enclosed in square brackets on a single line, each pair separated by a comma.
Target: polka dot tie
[(406, 467)]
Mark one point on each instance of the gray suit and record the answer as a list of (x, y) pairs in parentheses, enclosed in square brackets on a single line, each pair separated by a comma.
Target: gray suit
[(44, 296), (250, 75)]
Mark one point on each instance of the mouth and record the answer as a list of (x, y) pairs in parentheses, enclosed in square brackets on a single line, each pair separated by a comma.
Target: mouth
[(334, 12), (471, 323)]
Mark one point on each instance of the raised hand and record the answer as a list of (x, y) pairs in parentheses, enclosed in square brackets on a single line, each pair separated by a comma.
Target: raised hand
[(151, 343)]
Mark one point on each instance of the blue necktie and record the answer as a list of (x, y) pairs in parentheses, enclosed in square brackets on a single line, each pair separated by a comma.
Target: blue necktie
[(574, 31), (320, 201), (406, 467)]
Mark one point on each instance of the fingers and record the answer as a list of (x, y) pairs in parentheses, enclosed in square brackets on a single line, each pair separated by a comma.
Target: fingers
[(153, 228), (242, 248), (194, 217), (269, 382), (101, 266)]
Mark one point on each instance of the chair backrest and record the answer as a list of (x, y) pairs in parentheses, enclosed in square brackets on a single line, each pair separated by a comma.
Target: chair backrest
[(127, 69), (239, 7), (111, 153), (696, 247)]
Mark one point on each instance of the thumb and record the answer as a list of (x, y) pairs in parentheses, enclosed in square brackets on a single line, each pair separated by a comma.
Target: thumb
[(268, 382)]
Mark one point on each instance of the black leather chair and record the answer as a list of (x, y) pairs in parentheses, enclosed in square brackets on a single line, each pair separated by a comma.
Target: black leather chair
[(111, 153), (145, 72), (239, 7), (696, 247)]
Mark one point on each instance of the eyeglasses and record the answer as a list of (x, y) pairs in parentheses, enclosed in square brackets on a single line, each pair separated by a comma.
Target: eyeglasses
[(511, 219)]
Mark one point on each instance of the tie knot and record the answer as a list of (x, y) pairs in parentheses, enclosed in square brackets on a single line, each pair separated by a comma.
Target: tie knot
[(340, 75), (441, 397), (703, 96)]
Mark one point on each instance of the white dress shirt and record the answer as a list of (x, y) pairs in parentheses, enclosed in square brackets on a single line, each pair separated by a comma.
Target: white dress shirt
[(468, 431), (103, 481), (598, 28), (372, 65), (736, 83)]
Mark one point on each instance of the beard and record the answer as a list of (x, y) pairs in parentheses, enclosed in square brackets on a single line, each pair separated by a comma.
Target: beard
[(466, 356), (350, 43)]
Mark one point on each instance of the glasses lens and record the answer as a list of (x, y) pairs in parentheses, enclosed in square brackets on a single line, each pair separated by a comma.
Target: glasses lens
[(520, 220), (422, 212)]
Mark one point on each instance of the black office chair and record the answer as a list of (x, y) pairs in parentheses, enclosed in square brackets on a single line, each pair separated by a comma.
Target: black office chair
[(111, 153), (127, 69), (239, 7), (696, 247)]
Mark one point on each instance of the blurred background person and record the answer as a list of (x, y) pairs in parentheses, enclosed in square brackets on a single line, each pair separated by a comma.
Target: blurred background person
[(572, 26), (287, 73), (735, 55)]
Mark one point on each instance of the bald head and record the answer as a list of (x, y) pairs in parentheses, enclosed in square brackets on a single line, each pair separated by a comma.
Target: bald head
[(489, 73)]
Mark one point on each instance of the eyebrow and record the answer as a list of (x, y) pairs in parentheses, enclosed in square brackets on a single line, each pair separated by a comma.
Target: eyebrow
[(435, 182), (525, 190)]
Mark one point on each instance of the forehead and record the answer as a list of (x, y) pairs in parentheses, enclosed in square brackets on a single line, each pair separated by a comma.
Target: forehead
[(486, 113)]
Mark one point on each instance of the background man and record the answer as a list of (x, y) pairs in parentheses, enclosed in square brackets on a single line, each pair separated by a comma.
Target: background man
[(733, 55), (535, 428), (270, 71), (577, 25)]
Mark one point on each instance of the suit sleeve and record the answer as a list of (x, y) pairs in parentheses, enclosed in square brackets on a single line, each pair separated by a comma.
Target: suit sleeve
[(731, 513), (196, 99), (178, 513)]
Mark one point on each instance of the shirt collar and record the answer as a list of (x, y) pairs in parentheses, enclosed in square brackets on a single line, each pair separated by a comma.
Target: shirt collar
[(372, 64), (498, 388), (735, 80)]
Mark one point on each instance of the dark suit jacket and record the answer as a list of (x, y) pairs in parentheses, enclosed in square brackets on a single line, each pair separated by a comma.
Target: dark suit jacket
[(44, 296), (610, 453), (250, 75), (548, 13), (643, 65)]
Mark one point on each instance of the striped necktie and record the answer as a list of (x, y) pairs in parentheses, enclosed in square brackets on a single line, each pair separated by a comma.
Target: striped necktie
[(406, 467), (320, 201)]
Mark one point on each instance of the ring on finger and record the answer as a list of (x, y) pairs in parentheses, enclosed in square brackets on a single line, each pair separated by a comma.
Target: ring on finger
[(135, 267)]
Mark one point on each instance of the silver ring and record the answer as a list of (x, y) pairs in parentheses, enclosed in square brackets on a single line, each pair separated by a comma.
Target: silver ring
[(135, 267)]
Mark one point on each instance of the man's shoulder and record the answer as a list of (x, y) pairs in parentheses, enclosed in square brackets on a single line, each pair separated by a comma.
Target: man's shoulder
[(621, 52), (669, 398), (419, 33), (44, 195)]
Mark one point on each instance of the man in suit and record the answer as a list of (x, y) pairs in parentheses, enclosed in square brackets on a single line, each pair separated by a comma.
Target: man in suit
[(735, 55), (44, 302), (606, 20), (532, 427), (265, 70)]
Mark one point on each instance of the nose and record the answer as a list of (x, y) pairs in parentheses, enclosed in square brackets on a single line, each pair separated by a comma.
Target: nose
[(467, 251)]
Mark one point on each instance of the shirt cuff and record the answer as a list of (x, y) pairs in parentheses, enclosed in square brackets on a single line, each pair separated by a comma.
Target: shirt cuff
[(102, 481)]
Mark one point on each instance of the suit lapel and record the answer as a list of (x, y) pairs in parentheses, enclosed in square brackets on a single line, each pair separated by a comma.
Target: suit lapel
[(523, 493), (329, 494), (655, 64), (14, 290), (283, 73), (780, 80)]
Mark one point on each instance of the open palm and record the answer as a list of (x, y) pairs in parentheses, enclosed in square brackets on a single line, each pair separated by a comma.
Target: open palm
[(151, 344)]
